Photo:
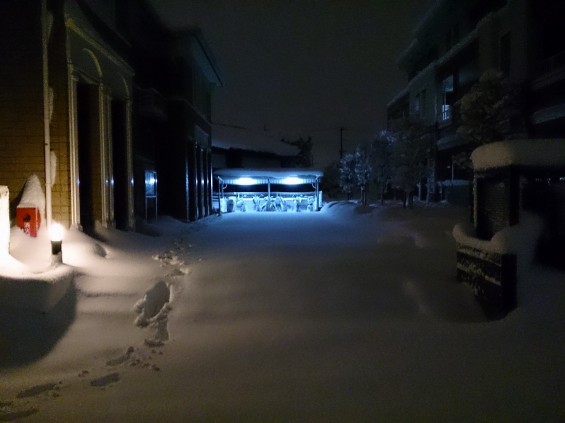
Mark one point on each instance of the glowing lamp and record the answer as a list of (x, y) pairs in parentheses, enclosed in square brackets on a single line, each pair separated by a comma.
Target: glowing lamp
[(245, 181), (56, 233), (292, 180)]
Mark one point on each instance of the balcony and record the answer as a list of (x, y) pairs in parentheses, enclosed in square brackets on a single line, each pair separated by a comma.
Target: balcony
[(549, 71), (150, 103), (444, 117)]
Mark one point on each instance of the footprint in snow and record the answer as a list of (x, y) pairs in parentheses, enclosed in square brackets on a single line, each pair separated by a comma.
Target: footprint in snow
[(9, 411), (136, 357), (168, 258), (181, 271), (154, 306), (38, 390), (122, 358), (105, 380)]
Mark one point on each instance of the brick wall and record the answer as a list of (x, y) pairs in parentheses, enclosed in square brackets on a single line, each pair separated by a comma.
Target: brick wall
[(543, 193), (21, 95), (492, 277), (493, 206), (59, 129), (497, 201)]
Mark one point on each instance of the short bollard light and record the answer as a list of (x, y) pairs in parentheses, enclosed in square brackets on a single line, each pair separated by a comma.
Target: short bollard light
[(56, 233)]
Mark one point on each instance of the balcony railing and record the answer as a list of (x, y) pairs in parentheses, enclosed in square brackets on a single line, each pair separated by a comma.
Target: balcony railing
[(444, 117), (150, 103), (551, 64)]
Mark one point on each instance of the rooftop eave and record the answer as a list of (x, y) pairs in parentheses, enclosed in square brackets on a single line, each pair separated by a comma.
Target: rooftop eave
[(428, 16), (404, 92), (406, 54), (211, 66), (191, 42), (263, 176)]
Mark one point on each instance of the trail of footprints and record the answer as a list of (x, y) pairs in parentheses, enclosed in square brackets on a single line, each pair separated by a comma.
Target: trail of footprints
[(27, 402), (152, 312)]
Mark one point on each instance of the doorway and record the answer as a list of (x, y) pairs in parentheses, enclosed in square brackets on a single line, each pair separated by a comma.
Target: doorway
[(120, 165), (89, 169)]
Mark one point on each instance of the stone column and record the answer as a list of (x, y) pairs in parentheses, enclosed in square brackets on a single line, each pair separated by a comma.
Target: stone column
[(4, 220)]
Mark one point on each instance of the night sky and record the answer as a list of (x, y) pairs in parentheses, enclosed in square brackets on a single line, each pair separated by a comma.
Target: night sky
[(301, 67)]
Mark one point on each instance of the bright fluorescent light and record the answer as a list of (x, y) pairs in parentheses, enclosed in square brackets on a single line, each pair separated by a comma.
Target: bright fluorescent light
[(245, 181), (292, 180)]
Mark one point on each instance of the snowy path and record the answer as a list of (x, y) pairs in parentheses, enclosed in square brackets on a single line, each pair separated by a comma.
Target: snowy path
[(330, 317)]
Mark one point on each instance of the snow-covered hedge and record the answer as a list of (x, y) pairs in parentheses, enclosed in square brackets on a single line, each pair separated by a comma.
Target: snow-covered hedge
[(517, 239)]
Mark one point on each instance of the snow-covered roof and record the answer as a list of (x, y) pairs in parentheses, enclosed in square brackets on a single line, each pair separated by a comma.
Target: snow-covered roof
[(398, 96), (530, 152), (263, 176), (432, 11)]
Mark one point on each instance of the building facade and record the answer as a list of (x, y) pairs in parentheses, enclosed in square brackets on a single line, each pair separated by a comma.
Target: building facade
[(96, 95), (456, 42)]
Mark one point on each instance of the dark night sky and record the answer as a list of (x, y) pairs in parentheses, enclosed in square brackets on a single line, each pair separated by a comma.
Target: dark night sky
[(301, 67)]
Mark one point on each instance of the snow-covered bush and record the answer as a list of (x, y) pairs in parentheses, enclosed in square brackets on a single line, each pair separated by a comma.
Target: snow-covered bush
[(381, 153), (490, 111), (347, 178)]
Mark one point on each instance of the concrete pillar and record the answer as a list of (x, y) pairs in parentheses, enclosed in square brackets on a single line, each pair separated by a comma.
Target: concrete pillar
[(4, 220)]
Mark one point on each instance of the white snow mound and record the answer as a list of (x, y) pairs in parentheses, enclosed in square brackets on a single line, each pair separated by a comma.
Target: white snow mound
[(531, 152)]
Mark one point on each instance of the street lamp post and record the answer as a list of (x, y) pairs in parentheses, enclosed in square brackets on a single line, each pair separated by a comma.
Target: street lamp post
[(56, 233)]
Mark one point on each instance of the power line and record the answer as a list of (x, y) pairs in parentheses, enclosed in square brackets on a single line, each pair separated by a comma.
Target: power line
[(308, 130)]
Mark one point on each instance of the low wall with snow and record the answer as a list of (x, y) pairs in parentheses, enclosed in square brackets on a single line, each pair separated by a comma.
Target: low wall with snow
[(522, 176), (519, 207), (37, 292), (492, 276)]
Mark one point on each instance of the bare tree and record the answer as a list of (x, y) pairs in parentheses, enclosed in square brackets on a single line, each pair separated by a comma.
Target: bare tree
[(363, 171), (304, 158), (347, 177), (330, 183), (381, 159), (411, 157)]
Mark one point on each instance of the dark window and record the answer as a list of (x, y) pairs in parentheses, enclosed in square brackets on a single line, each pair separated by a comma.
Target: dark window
[(553, 31), (452, 36), (505, 54), (420, 103)]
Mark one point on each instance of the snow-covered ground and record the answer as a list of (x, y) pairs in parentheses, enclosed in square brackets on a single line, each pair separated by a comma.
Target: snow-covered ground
[(347, 315)]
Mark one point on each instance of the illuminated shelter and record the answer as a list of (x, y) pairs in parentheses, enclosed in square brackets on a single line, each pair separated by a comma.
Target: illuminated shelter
[(257, 190)]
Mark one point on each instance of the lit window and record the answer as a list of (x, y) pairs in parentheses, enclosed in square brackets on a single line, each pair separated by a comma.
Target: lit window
[(150, 183), (446, 99)]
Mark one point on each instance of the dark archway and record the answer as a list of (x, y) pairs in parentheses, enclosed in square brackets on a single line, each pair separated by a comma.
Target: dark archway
[(120, 166), (88, 132)]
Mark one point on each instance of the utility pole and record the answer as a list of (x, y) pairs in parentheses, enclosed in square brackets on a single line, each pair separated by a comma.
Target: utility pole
[(341, 143)]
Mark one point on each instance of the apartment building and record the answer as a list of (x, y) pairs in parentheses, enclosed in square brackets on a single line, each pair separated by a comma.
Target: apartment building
[(456, 42), (101, 101)]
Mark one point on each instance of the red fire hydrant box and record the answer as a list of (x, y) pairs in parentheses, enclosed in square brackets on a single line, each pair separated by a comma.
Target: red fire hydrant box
[(28, 219)]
